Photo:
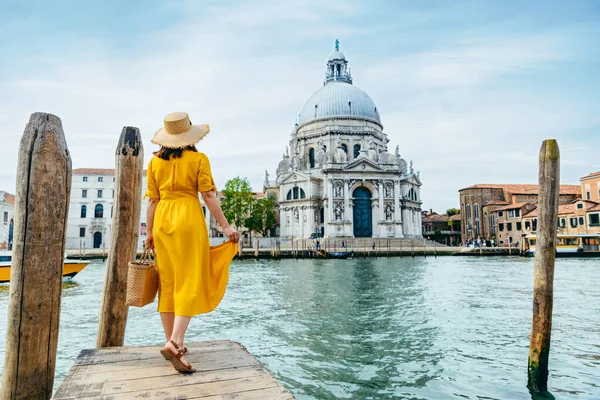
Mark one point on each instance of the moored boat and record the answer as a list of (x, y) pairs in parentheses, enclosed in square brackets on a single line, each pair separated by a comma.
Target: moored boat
[(70, 267), (576, 245)]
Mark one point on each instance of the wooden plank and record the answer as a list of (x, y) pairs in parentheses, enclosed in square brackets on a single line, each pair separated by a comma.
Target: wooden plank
[(163, 367), (120, 354), (169, 379), (225, 370), (273, 393), (197, 391)]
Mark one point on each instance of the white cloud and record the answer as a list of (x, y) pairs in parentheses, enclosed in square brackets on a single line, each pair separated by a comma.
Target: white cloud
[(247, 70)]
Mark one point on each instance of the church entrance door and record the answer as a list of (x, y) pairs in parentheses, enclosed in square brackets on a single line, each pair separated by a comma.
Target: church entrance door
[(363, 226)]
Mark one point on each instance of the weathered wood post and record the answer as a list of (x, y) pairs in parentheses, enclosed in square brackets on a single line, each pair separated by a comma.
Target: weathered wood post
[(124, 237), (545, 253), (42, 201)]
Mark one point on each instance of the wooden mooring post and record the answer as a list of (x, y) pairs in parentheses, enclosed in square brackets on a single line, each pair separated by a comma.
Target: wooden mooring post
[(42, 200), (129, 158), (545, 253)]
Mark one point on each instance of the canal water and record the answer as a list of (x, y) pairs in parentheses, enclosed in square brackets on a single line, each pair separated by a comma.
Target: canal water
[(398, 328)]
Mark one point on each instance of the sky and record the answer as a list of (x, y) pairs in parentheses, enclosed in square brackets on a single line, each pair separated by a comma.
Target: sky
[(467, 89)]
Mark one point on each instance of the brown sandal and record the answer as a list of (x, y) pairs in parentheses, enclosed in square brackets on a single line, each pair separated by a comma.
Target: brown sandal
[(175, 359)]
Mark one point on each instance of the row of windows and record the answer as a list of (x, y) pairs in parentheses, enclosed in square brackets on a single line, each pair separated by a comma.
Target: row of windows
[(475, 210), (100, 179), (100, 192), (593, 220), (98, 211)]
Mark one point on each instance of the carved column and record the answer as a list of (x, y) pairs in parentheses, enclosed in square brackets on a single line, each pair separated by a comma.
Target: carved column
[(346, 199), (330, 198), (381, 209), (397, 213)]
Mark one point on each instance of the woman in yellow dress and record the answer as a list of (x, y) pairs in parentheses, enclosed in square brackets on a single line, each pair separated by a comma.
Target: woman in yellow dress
[(192, 275)]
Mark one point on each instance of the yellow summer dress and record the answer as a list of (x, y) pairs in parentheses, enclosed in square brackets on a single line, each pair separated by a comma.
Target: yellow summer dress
[(192, 274)]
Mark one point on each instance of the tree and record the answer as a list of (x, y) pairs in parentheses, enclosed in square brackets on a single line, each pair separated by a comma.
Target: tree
[(452, 211), (237, 201), (262, 216)]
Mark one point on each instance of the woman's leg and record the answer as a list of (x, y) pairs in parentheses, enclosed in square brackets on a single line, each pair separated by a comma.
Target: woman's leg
[(180, 325), (167, 318)]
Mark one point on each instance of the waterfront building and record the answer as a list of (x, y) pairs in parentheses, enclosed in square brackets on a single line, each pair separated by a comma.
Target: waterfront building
[(7, 213), (91, 208), (590, 187), (478, 204), (337, 178), (442, 228)]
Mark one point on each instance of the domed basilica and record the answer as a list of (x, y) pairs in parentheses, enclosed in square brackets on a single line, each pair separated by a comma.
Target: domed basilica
[(337, 177)]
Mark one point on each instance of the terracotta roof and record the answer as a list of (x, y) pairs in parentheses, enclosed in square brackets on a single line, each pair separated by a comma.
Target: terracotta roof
[(531, 214), (455, 217), (595, 208), (97, 171), (495, 202), (9, 198), (511, 206), (592, 175), (436, 218), (524, 188)]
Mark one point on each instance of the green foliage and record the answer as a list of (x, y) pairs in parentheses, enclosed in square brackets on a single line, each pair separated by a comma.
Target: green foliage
[(237, 201), (262, 216), (452, 211)]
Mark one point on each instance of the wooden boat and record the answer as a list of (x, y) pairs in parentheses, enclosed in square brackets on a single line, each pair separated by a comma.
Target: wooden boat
[(334, 254), (576, 245), (70, 267)]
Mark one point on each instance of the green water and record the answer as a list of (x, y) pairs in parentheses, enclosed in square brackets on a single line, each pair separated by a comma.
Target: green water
[(400, 328)]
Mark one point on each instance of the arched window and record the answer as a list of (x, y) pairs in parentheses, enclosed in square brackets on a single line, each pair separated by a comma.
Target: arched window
[(468, 206), (356, 150), (83, 211), (99, 211), (476, 211), (412, 195), (311, 157), (295, 194), (345, 148)]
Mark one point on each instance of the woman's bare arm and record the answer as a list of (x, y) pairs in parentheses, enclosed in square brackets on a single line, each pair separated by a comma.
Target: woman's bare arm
[(214, 206), (150, 222)]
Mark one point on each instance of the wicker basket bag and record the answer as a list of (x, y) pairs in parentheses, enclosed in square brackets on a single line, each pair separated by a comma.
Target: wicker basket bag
[(142, 280)]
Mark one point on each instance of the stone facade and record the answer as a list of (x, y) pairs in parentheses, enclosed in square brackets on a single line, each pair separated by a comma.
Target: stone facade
[(7, 223), (590, 187), (338, 179)]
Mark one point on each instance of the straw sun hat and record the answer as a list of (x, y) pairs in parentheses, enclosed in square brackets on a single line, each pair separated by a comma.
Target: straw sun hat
[(178, 131)]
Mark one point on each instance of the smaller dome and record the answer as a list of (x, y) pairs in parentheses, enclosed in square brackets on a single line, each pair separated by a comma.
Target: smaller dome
[(337, 55)]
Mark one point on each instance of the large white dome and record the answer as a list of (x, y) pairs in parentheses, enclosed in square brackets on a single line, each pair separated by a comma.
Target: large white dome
[(339, 99)]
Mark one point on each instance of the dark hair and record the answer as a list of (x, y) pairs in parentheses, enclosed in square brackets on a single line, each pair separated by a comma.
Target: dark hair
[(167, 153)]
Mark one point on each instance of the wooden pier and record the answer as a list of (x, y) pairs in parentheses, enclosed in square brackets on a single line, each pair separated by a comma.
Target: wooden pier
[(225, 370)]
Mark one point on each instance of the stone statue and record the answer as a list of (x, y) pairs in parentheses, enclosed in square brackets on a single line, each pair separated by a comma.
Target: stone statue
[(397, 151), (266, 177), (340, 154), (337, 45), (338, 190), (372, 154), (338, 210), (321, 155), (295, 162), (296, 215), (287, 151), (412, 170), (389, 190), (389, 212)]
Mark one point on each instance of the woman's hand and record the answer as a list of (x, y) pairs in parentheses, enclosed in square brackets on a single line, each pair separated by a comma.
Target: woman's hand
[(149, 241), (231, 234)]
